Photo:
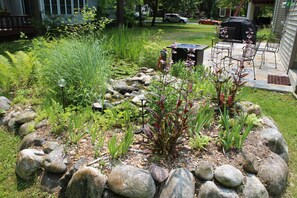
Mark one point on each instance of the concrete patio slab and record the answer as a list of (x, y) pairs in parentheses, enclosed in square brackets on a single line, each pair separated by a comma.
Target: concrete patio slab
[(261, 74)]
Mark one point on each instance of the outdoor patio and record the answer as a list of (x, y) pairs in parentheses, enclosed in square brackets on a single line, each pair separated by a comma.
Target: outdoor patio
[(261, 74)]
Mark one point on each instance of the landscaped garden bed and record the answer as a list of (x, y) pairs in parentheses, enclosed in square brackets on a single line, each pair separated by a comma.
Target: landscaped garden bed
[(197, 138)]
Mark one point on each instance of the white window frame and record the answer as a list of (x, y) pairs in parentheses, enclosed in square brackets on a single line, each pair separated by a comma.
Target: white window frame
[(222, 12), (84, 2)]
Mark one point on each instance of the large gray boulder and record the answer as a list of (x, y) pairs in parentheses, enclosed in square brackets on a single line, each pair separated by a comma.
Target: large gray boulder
[(28, 162), (268, 122), (253, 188), (31, 139), (49, 182), (54, 161), (63, 182), (86, 182), (210, 190), (204, 171), (132, 182), (25, 116), (180, 183), (276, 142), (273, 172), (26, 128), (4, 104), (228, 175)]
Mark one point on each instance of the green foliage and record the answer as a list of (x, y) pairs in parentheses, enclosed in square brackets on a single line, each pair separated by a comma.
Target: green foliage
[(56, 117), (76, 127), (17, 71), (80, 24), (233, 133), (84, 65), (150, 52), (126, 43), (199, 142), (203, 118), (169, 114), (119, 148)]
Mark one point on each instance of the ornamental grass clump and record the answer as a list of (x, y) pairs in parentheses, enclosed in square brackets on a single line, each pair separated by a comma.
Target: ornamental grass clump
[(84, 64)]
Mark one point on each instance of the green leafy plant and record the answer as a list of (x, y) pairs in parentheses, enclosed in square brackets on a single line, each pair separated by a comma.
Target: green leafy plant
[(76, 129), (199, 142), (233, 134), (117, 149), (169, 114), (56, 117), (203, 118)]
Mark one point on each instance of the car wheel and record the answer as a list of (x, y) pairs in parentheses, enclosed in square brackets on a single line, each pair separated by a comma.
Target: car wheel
[(216, 24)]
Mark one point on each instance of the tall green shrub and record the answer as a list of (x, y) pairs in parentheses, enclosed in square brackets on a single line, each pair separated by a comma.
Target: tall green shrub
[(83, 63)]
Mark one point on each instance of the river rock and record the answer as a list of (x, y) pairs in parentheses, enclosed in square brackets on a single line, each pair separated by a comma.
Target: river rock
[(158, 173), (54, 161), (49, 182), (63, 182), (273, 172), (132, 182), (251, 163), (253, 188), (122, 87), (7, 117), (210, 190), (268, 122), (25, 116), (228, 175), (28, 162), (50, 146), (12, 126), (26, 128), (4, 103), (204, 171), (276, 142), (86, 182), (180, 183), (30, 140)]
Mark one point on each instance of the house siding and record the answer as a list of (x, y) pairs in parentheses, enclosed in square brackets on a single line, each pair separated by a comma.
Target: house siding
[(279, 17), (288, 48)]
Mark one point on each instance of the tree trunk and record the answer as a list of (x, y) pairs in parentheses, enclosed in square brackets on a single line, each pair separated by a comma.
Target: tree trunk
[(140, 16), (155, 10), (120, 13)]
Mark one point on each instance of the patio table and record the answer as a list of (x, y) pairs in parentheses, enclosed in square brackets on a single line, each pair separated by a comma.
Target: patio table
[(182, 50)]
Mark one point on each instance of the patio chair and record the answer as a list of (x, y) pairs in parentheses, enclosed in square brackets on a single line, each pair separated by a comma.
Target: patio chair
[(248, 55), (224, 43), (219, 47), (273, 48)]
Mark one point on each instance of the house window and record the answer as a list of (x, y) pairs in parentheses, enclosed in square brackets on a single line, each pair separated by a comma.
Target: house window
[(61, 7), (222, 12)]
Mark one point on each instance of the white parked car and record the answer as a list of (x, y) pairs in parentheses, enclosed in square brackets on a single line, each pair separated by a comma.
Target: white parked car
[(171, 17)]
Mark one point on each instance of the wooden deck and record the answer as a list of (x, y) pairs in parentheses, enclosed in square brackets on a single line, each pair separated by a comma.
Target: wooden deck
[(14, 25)]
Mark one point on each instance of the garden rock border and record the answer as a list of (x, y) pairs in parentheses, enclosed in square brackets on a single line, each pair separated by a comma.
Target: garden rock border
[(263, 176)]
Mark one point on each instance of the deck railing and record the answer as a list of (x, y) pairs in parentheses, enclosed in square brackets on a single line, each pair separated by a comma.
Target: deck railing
[(15, 24)]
